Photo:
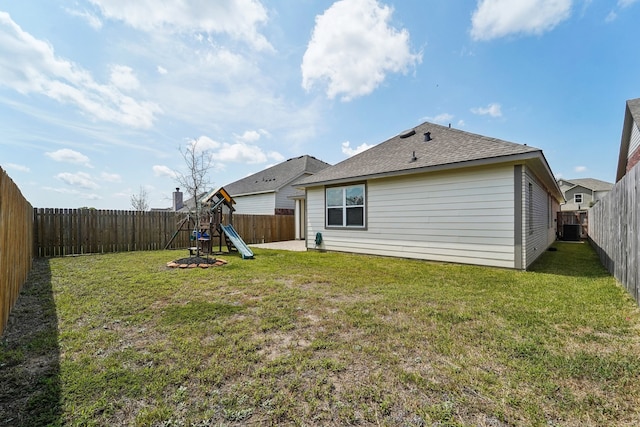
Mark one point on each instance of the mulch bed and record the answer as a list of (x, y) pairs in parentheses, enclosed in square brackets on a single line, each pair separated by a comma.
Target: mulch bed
[(195, 261)]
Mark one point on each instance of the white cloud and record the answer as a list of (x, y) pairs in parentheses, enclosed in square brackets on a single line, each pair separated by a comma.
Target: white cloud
[(74, 192), (353, 48), (442, 118), (68, 155), (123, 77), (204, 143), (498, 18), (274, 155), (493, 110), (580, 169), (626, 3), (221, 85), (622, 4), (29, 65), (240, 152), (90, 18), (165, 171), (239, 19), (110, 177), (252, 135), (17, 167), (162, 70), (249, 136), (346, 149), (461, 123), (79, 179)]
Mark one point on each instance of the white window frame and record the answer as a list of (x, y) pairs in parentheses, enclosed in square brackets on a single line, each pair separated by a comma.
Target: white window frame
[(575, 198), (346, 206)]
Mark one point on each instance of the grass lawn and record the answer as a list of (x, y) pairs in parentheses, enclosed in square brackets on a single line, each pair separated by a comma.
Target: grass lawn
[(320, 339)]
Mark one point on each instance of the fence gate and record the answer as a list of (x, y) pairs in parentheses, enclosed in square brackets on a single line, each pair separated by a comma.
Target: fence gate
[(580, 219)]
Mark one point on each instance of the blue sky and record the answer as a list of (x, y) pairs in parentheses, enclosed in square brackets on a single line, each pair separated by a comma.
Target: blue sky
[(97, 97)]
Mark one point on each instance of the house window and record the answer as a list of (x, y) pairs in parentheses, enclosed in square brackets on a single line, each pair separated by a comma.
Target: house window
[(577, 198), (345, 206)]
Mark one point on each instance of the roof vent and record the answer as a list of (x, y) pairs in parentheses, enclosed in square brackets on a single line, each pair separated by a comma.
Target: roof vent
[(427, 136), (408, 133), (413, 157)]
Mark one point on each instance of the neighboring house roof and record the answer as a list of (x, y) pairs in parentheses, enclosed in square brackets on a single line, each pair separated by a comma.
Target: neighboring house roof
[(589, 183), (189, 205), (448, 148), (631, 119), (276, 177)]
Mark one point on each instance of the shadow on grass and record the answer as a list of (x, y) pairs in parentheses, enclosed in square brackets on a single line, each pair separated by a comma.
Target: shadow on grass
[(30, 356), (577, 259)]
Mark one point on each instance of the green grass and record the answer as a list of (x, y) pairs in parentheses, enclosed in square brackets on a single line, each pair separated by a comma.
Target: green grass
[(332, 339)]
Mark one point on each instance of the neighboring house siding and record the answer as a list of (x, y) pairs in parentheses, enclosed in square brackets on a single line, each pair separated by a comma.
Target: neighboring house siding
[(539, 211), (283, 200), (255, 204), (633, 155), (634, 142), (456, 216), (570, 205)]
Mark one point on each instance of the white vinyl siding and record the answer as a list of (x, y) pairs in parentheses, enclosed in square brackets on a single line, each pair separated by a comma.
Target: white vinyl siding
[(255, 204), (634, 142), (539, 232), (570, 195), (283, 197), (456, 216)]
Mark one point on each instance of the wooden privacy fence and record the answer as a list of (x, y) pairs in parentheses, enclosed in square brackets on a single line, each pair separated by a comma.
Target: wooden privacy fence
[(614, 231), (16, 228), (264, 228), (78, 231)]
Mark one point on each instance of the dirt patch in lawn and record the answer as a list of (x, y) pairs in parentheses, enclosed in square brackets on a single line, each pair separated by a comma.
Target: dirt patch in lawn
[(196, 261)]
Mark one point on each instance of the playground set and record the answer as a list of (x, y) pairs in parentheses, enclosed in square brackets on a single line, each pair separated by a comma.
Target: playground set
[(210, 229)]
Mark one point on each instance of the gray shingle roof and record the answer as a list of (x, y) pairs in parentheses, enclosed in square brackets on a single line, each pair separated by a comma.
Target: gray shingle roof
[(591, 183), (276, 177), (634, 109), (396, 155)]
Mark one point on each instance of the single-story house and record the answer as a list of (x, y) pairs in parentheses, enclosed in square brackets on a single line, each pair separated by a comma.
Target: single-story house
[(437, 193), (269, 192), (582, 193), (630, 144)]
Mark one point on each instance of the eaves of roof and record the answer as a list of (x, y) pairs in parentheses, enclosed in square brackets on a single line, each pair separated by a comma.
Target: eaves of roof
[(410, 153), (255, 193)]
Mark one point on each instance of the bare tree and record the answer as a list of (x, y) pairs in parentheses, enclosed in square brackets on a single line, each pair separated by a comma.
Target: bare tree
[(195, 181), (140, 201)]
